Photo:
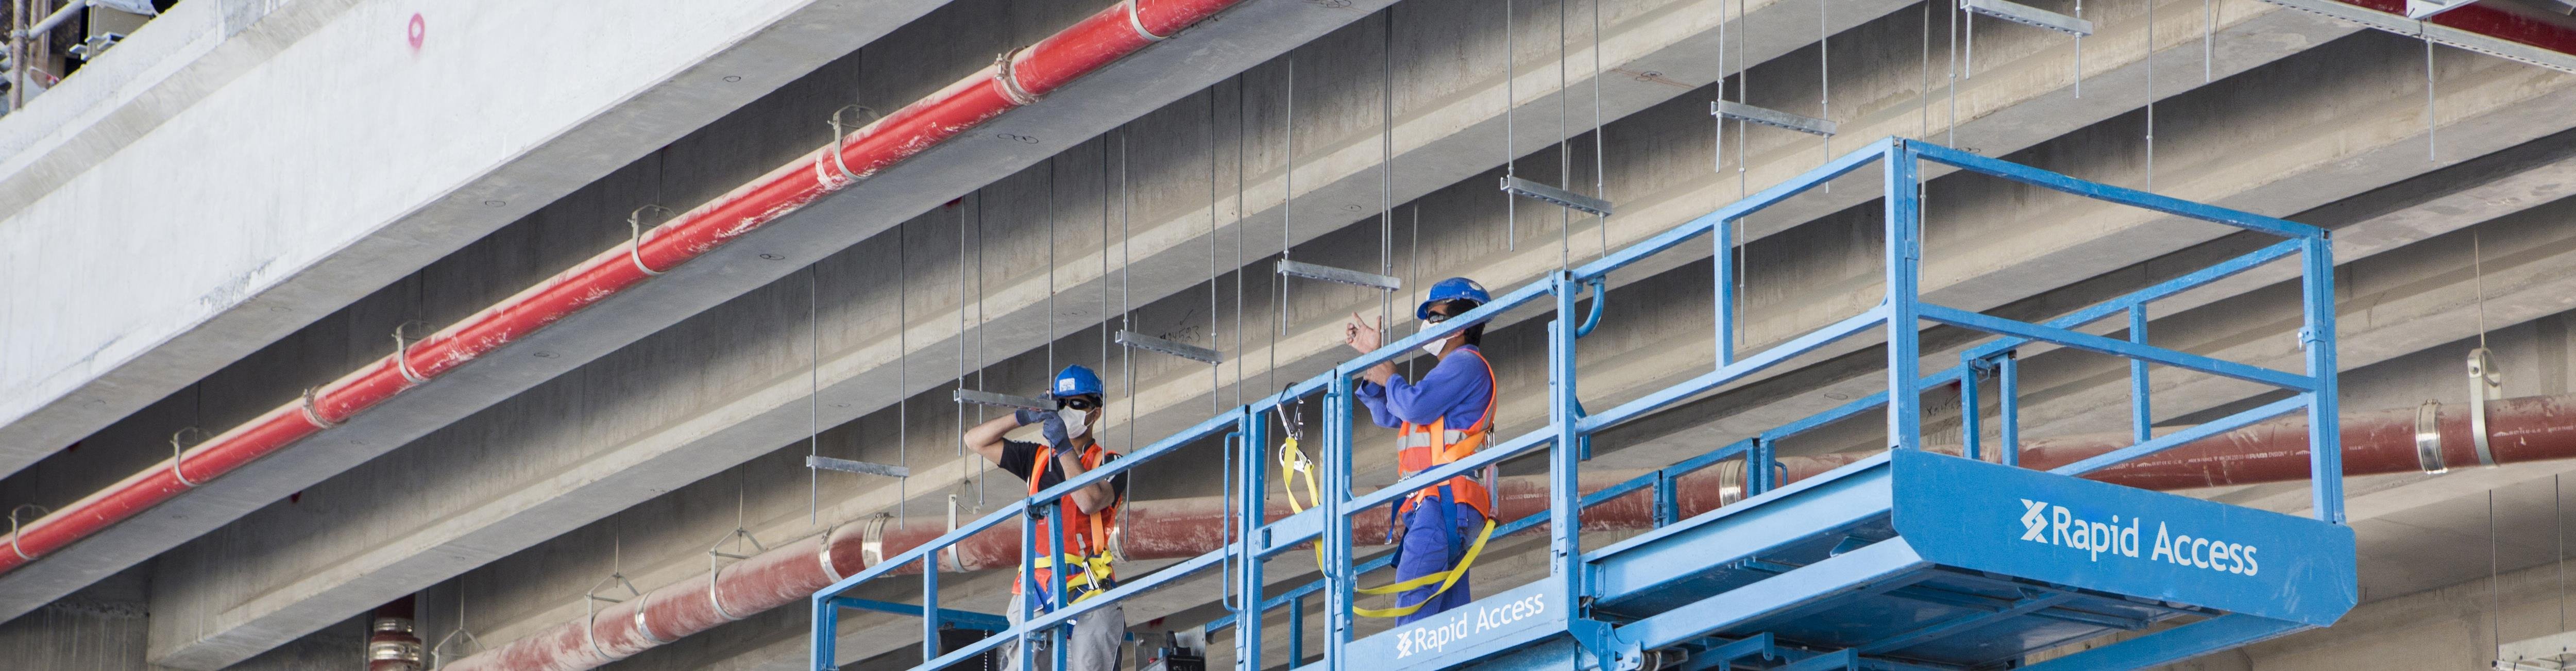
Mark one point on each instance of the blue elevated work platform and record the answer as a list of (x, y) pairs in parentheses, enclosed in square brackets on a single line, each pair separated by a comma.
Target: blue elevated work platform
[(1906, 560)]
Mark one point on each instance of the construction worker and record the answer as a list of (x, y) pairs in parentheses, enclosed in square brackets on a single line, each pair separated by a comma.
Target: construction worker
[(1087, 516), (1442, 418)]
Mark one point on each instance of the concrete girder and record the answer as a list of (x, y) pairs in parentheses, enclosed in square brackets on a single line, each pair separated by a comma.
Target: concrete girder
[(340, 202), (873, 362), (1242, 37), (1304, 339)]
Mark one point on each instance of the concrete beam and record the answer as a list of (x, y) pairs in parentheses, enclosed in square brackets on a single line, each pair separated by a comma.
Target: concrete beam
[(1238, 39)]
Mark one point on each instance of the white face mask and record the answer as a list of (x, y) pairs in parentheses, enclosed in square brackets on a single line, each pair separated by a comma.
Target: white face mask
[(1434, 346), (1076, 422)]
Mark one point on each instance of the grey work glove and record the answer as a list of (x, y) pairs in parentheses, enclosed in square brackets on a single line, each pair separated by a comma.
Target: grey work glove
[(1028, 416), (1052, 427)]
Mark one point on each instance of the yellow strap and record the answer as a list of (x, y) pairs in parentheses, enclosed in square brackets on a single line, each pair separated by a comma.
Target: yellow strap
[(1447, 579)]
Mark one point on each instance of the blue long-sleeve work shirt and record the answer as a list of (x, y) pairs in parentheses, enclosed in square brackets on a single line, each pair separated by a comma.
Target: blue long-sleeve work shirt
[(1458, 388)]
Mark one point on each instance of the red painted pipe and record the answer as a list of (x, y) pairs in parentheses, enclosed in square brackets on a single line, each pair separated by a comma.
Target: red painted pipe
[(1096, 41), (2489, 21), (2383, 441)]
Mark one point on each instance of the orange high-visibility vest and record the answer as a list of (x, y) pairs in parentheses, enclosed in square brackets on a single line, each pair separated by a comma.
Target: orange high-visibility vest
[(1421, 447), (1086, 544)]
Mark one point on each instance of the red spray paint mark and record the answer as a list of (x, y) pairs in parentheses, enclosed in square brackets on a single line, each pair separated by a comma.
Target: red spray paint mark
[(418, 29), (295, 498)]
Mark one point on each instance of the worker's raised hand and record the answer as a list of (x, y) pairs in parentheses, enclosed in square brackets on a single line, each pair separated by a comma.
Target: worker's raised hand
[(1028, 416), (1361, 335), (1052, 427)]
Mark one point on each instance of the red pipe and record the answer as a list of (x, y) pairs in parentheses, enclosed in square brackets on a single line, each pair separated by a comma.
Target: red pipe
[(2524, 429), (1018, 80), (2489, 21)]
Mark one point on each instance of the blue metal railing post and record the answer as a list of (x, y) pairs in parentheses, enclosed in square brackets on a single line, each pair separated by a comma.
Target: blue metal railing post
[(1056, 581), (1296, 631), (1024, 600), (930, 607), (2008, 406), (827, 624), (1564, 487), (1970, 410), (1337, 518), (2142, 418), (1904, 256), (2325, 433), (1249, 508), (1725, 271)]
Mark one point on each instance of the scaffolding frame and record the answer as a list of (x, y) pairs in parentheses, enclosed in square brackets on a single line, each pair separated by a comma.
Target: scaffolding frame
[(1801, 560)]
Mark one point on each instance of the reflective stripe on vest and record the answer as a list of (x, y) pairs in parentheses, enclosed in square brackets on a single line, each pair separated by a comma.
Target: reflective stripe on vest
[(1421, 447)]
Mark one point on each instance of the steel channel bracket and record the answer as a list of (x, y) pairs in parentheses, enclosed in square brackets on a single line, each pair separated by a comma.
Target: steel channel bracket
[(1004, 400), (2481, 43), (1552, 195), (2424, 9), (860, 467), (2030, 16), (1771, 117), (1153, 344), (1345, 276), (2547, 653)]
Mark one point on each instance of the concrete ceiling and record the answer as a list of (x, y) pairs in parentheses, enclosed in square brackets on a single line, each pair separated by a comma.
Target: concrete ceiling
[(643, 423)]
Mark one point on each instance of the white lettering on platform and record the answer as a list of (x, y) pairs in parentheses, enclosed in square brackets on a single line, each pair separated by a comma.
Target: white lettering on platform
[(2055, 525), (1436, 634)]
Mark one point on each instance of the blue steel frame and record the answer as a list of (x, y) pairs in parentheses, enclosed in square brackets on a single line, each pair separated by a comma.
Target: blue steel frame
[(1899, 317)]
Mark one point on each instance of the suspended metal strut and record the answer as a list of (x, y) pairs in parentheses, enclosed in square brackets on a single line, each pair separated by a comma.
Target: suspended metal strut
[(1134, 340), (1555, 196), (2029, 16), (1002, 400), (1770, 117), (1314, 271)]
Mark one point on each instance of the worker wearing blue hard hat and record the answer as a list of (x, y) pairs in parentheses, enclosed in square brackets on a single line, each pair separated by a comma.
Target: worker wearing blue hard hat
[(1088, 516), (1443, 417)]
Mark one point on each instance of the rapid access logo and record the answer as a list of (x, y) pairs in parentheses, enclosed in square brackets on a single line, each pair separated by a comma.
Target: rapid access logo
[(2049, 524)]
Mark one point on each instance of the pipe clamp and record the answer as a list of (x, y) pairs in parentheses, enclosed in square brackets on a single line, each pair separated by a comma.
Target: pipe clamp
[(1010, 79), (635, 238), (641, 627), (824, 553), (13, 528), (872, 542), (2428, 438), (179, 456), (402, 354), (2484, 385), (1136, 20), (314, 415)]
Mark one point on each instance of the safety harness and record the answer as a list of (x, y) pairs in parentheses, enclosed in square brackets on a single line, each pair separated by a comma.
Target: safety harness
[(1088, 553), (1421, 447)]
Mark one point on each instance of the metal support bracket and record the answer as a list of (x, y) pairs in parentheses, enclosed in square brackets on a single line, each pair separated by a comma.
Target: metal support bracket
[(839, 138), (1556, 196), (635, 237), (2478, 42), (2029, 16), (1345, 276), (590, 608), (715, 574), (14, 528), (402, 352), (1003, 400), (2485, 384), (1771, 117), (2428, 438), (179, 454), (2424, 9), (853, 466), (1148, 343)]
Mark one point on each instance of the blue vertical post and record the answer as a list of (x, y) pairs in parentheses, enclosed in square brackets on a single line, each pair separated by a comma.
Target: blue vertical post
[(1296, 630), (1724, 234), (1757, 467), (2142, 417), (2008, 407), (1025, 599), (1564, 488), (1667, 503), (930, 606), (1055, 579), (1904, 258), (2325, 438), (827, 623), (1969, 409), (1337, 519), (1249, 516)]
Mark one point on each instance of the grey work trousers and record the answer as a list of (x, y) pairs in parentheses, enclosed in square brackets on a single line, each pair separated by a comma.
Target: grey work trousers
[(1097, 639)]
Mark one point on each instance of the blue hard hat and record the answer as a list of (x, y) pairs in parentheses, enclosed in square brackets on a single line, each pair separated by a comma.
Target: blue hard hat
[(1075, 381), (1455, 288)]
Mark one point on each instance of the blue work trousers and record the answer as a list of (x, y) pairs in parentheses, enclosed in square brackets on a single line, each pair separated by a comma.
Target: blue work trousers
[(1436, 535)]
